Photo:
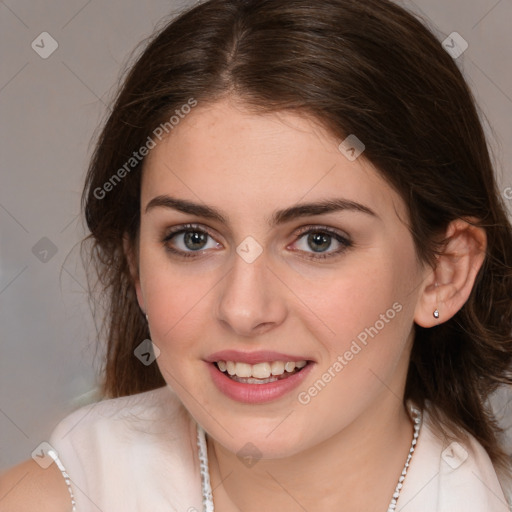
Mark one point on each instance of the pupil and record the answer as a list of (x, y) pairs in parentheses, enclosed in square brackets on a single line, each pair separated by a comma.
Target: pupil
[(193, 238), (320, 240)]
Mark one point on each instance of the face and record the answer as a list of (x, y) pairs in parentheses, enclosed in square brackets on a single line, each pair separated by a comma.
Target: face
[(233, 267)]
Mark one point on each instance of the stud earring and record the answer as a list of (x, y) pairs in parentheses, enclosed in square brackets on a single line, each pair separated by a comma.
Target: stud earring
[(436, 313), (147, 319)]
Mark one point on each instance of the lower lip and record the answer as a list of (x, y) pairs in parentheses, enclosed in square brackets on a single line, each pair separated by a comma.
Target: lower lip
[(256, 393)]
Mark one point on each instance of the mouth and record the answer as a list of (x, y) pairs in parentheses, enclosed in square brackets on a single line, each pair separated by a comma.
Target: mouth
[(260, 373), (257, 377), (260, 382)]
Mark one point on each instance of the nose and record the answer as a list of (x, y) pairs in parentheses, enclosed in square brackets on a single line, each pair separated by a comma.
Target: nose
[(251, 299)]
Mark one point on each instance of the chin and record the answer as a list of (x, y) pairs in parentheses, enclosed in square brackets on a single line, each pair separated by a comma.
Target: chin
[(262, 440)]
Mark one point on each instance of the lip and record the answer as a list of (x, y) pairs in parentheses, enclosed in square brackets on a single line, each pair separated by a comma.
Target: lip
[(261, 356), (256, 393)]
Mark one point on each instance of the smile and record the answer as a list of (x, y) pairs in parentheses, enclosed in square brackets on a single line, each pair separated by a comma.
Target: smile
[(260, 382), (261, 373)]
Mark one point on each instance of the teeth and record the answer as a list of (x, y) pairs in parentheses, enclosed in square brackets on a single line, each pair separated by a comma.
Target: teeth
[(260, 370), (230, 367), (277, 368), (243, 370), (289, 367)]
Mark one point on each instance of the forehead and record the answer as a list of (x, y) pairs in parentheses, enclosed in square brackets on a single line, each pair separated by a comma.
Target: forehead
[(243, 161)]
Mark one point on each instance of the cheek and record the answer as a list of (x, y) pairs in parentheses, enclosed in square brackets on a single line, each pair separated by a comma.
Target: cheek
[(358, 297), (367, 314), (177, 301), (371, 315)]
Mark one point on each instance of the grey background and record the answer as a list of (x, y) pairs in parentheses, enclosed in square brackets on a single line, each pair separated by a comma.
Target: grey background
[(49, 110)]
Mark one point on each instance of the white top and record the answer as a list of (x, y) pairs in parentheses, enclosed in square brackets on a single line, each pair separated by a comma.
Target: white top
[(140, 452)]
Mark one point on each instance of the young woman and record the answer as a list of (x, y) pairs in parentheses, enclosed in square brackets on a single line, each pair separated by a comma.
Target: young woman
[(294, 201)]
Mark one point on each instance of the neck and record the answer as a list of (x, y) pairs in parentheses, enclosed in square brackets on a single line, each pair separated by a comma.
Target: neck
[(355, 469)]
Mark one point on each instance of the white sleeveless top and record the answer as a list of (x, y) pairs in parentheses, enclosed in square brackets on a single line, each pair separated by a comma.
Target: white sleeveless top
[(139, 453)]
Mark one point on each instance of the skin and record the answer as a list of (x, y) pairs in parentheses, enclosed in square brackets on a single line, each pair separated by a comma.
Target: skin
[(348, 445)]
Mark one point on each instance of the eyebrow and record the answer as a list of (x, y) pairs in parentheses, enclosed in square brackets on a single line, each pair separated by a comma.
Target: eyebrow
[(278, 217)]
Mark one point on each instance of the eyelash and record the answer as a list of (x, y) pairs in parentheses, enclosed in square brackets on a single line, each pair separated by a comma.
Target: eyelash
[(306, 230)]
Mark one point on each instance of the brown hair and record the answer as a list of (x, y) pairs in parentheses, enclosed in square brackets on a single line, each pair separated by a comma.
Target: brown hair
[(365, 68)]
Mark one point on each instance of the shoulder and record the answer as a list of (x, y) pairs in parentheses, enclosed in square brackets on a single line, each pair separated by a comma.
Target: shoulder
[(149, 405), (82, 434), (155, 416), (451, 473), (28, 487), (467, 473), (109, 447)]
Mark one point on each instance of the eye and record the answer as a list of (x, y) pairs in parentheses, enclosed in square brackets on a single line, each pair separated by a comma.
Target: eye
[(189, 239), (319, 240)]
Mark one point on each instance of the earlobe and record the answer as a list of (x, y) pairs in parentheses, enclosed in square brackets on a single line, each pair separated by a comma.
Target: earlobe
[(131, 258), (448, 286)]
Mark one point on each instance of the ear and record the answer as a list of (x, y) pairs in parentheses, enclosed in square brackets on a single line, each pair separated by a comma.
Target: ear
[(133, 265), (449, 284)]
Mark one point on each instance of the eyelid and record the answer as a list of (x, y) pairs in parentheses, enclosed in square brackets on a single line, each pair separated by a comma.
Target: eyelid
[(186, 227), (304, 229), (319, 227)]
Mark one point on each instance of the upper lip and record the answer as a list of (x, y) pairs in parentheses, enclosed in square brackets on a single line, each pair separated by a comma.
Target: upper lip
[(262, 356)]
